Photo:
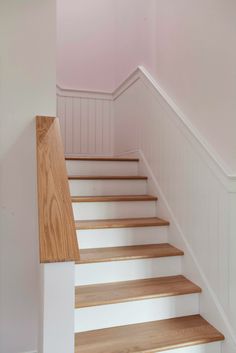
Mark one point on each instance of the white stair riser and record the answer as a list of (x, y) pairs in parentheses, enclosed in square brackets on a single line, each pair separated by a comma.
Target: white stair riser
[(106, 210), (107, 187), (115, 271), (101, 238), (214, 347), (101, 168), (133, 312)]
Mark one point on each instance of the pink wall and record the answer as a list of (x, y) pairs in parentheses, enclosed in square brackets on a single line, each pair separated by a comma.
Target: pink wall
[(188, 46), (195, 62), (101, 41), (85, 46), (133, 36)]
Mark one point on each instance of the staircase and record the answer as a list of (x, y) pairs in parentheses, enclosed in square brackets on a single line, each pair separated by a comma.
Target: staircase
[(130, 296)]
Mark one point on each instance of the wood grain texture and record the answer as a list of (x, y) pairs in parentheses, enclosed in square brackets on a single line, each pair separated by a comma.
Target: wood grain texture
[(113, 198), (121, 223), (106, 177), (57, 233), (103, 159), (151, 337), (128, 253), (110, 293)]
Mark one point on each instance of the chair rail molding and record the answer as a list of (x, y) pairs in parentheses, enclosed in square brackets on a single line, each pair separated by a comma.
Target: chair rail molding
[(196, 191), (182, 122)]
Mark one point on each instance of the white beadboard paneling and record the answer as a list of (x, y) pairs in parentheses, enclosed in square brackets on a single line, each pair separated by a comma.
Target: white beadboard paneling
[(86, 122), (196, 194)]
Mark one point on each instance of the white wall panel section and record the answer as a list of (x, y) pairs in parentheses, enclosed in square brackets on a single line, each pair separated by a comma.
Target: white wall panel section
[(195, 193), (86, 121), (57, 308)]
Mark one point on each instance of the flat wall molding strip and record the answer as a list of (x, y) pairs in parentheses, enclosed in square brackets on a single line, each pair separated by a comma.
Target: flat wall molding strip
[(57, 235)]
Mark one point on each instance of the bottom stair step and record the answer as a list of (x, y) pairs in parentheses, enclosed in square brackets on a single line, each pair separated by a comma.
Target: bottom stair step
[(151, 337)]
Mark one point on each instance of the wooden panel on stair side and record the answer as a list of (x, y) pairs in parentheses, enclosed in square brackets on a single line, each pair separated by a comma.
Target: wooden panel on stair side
[(101, 159), (128, 253), (106, 177), (121, 223), (118, 292), (150, 337), (57, 235), (113, 198)]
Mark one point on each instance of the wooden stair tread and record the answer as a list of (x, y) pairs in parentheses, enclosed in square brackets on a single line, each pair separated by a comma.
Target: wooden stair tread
[(101, 159), (150, 337), (121, 223), (127, 253), (112, 198), (107, 177), (110, 293)]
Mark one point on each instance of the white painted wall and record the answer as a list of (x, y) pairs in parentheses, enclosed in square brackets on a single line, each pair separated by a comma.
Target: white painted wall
[(58, 298), (86, 121), (27, 88), (194, 193)]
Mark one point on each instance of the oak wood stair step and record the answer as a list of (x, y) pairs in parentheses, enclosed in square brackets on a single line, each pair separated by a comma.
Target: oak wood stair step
[(111, 293), (121, 223), (113, 198), (107, 177), (101, 159), (121, 253), (150, 337)]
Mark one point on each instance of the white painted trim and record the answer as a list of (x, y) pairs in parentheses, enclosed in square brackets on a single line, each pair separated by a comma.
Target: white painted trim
[(174, 221), (214, 162), (69, 92), (129, 81), (211, 158)]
